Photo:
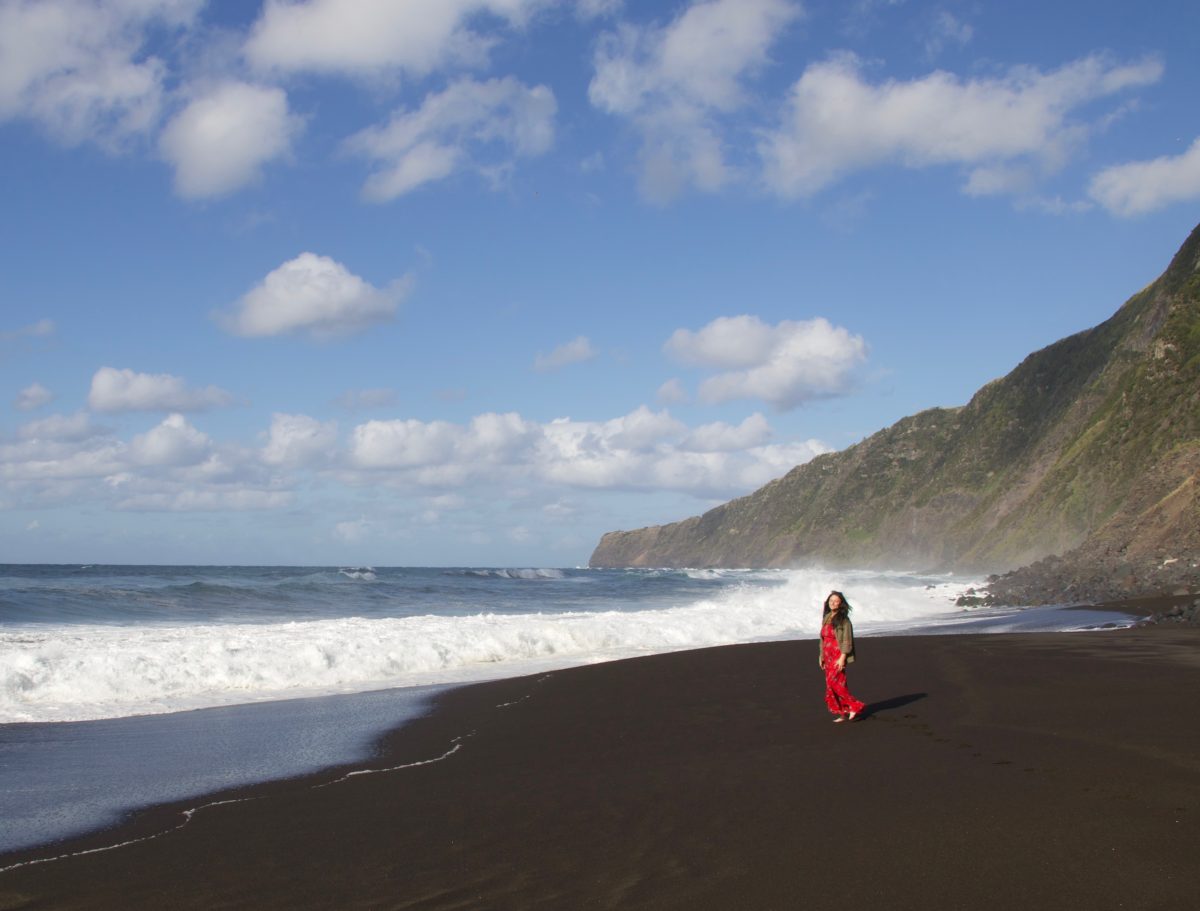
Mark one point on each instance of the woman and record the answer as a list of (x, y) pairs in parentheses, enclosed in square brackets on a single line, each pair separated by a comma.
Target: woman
[(837, 650)]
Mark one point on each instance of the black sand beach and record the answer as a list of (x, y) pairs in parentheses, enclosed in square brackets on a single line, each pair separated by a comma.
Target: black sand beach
[(993, 771)]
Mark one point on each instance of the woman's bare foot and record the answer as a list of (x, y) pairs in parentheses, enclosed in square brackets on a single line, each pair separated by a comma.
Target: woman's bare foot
[(840, 718), (851, 716)]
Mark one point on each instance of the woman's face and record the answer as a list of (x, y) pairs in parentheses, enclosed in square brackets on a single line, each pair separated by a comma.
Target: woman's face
[(835, 602)]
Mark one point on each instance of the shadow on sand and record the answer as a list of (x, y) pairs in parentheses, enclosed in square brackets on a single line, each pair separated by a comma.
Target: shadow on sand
[(887, 705)]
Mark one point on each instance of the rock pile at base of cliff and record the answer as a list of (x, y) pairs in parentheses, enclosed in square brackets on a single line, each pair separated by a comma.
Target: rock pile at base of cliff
[(1056, 580)]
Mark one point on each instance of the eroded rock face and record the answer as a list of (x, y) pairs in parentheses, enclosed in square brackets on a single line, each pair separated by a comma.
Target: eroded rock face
[(1089, 449)]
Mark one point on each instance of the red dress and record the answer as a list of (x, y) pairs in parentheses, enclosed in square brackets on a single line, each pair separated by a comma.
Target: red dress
[(837, 697)]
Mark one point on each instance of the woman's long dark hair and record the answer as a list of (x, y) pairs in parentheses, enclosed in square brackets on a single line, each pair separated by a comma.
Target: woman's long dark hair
[(826, 612)]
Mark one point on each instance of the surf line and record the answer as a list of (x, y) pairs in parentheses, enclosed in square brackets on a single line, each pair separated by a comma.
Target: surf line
[(190, 813)]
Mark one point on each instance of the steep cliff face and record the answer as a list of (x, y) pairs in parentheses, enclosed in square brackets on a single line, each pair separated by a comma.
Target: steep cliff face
[(1065, 446)]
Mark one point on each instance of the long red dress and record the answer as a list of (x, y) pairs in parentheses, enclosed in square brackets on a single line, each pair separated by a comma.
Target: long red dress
[(837, 697)]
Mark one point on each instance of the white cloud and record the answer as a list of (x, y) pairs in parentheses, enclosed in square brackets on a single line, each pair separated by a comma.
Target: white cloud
[(643, 450), (42, 458), (784, 365), (728, 341), (175, 467), (470, 124), (314, 294), (40, 329), (73, 427), (1143, 186), (174, 442), (172, 466), (673, 82), (947, 29), (835, 122), (296, 440), (33, 396), (360, 37), (1000, 179), (445, 452), (722, 437), (352, 531), (124, 390), (403, 443), (640, 430), (575, 351), (77, 68), (215, 500), (654, 457), (671, 393), (221, 141)]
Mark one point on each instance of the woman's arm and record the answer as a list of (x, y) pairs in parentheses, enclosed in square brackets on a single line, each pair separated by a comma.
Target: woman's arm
[(845, 641)]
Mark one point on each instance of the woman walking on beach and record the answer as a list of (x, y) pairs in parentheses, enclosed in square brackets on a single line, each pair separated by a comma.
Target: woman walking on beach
[(837, 650)]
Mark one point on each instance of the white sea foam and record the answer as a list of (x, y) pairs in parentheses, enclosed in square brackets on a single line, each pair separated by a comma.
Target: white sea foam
[(78, 672)]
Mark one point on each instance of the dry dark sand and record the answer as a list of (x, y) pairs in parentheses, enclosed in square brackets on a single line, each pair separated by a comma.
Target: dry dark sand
[(1008, 771)]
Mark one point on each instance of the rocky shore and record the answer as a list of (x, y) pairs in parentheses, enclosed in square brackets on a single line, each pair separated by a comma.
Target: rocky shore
[(1058, 580)]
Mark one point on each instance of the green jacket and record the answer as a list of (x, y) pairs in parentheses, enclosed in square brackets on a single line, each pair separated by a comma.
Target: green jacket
[(843, 629)]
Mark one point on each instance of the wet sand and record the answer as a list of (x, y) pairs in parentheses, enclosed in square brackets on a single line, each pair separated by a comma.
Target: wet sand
[(992, 771)]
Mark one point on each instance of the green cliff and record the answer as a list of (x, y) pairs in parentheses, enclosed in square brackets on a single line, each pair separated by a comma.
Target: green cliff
[(1090, 446)]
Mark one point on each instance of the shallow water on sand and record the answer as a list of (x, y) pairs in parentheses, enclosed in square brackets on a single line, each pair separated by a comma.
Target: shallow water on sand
[(60, 780)]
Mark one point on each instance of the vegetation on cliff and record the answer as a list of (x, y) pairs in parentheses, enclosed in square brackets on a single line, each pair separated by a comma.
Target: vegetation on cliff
[(1088, 449)]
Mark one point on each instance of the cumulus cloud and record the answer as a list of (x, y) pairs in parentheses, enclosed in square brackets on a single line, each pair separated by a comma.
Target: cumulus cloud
[(1144, 186), (784, 365), (33, 396), (317, 295), (674, 82), (297, 440), (444, 452), (728, 341), (360, 37), (116, 390), (73, 427), (671, 393), (221, 141), (173, 442), (78, 68), (642, 450), (575, 351), (722, 437), (650, 451), (836, 122), (471, 124), (174, 466), (50, 456)]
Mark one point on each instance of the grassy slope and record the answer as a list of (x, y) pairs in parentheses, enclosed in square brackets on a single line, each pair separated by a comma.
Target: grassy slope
[(1032, 465)]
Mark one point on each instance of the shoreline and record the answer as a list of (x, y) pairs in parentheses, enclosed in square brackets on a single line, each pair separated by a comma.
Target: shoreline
[(694, 779), (260, 743)]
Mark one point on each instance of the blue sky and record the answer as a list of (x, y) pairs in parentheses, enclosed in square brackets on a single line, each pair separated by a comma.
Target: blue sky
[(470, 282)]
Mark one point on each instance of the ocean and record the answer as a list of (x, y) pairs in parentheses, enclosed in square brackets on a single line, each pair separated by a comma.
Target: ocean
[(126, 686)]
